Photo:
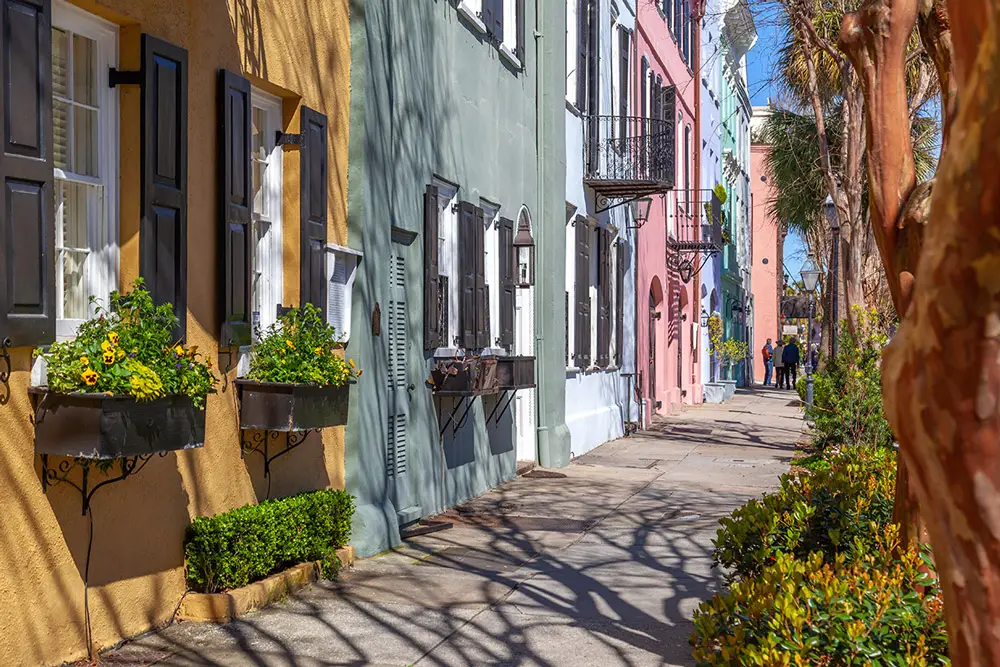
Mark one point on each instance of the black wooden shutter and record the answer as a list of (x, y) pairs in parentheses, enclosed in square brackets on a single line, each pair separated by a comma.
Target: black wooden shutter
[(667, 155), (235, 187), (312, 206), (582, 290), (493, 18), (623, 81), (593, 59), (482, 295), (27, 231), (432, 299), (505, 257), (521, 45), (604, 300), (619, 301), (163, 229), (468, 265)]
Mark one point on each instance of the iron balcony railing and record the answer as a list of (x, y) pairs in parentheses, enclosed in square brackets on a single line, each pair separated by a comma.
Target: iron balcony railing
[(629, 155)]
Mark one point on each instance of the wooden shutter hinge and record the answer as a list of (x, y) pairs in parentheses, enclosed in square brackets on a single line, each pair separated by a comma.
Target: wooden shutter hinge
[(117, 77), (287, 139)]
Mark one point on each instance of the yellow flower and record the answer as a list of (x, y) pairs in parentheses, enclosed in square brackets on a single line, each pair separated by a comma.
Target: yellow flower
[(179, 351), (121, 353), (105, 345), (350, 362), (113, 337), (192, 350), (289, 343), (85, 361), (109, 357), (90, 376), (319, 350)]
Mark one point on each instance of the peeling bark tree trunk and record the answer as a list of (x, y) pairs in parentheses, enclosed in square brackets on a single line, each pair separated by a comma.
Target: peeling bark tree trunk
[(941, 373)]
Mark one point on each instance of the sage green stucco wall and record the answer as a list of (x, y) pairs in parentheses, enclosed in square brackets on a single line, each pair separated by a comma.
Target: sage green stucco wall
[(431, 96)]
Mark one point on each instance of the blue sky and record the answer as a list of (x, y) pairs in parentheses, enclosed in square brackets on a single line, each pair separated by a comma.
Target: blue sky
[(760, 64)]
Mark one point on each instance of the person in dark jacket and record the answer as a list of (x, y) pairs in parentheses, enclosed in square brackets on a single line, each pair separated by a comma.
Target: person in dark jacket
[(790, 355)]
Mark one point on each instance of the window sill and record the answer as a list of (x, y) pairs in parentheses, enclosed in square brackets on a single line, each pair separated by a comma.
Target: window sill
[(470, 15), (510, 57), (446, 353)]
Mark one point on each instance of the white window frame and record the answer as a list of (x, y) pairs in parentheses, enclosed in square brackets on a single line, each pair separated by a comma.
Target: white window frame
[(268, 270), (101, 272), (572, 37), (509, 45), (347, 259), (491, 266), (473, 10), (592, 290), (448, 261)]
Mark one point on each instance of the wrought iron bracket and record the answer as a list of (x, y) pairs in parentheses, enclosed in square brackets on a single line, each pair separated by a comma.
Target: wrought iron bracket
[(287, 139), (507, 394), (605, 203), (60, 474), (117, 77), (460, 422), (5, 345), (259, 444)]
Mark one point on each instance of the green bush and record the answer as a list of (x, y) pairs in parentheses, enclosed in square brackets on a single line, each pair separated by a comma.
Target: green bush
[(835, 510), (877, 610), (249, 543), (847, 391)]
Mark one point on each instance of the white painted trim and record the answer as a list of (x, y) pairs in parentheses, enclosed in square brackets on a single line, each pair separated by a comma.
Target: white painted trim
[(351, 259), (509, 55), (468, 10), (268, 253), (101, 273)]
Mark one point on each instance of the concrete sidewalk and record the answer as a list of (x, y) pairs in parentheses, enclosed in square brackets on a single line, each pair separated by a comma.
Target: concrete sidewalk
[(601, 563)]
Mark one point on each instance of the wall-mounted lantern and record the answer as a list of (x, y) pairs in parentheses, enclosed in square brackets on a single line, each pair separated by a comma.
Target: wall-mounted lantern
[(704, 317), (640, 210), (524, 251)]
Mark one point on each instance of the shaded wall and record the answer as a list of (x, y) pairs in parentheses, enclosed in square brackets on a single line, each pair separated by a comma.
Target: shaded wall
[(298, 49), (431, 97)]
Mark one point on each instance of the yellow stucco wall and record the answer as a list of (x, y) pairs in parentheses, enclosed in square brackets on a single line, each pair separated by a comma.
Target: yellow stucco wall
[(298, 49)]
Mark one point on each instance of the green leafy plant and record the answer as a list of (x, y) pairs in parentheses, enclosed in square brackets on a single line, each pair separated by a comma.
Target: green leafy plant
[(715, 331), (300, 348), (249, 543), (879, 609), (847, 391), (720, 192), (838, 509), (128, 350), (733, 351)]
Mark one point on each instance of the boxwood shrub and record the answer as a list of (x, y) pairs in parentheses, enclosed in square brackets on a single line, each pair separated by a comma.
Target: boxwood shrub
[(249, 543), (835, 509)]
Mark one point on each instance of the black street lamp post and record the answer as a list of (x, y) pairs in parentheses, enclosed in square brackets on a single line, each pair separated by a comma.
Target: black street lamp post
[(831, 216), (810, 277)]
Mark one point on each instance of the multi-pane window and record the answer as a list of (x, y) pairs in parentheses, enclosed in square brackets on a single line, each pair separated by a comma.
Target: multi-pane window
[(85, 140), (266, 159)]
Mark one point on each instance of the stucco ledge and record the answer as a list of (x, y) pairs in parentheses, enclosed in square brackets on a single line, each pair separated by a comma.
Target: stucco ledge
[(224, 607)]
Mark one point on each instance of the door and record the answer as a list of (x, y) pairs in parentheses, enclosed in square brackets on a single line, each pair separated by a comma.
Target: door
[(524, 400), (653, 316), (398, 403)]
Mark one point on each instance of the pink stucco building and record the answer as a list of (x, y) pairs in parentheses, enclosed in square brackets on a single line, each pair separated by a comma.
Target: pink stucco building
[(767, 271), (668, 337)]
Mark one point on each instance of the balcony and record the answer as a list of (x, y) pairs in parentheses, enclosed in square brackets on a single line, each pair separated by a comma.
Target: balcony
[(626, 157)]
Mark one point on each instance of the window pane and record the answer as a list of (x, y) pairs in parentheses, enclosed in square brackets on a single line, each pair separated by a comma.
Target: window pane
[(85, 141), (75, 204), (60, 63), (259, 146), (84, 70), (60, 134)]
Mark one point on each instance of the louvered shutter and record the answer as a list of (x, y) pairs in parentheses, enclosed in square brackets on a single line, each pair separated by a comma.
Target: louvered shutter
[(604, 300), (482, 294), (667, 154), (493, 18), (163, 229), (432, 300), (593, 58), (505, 256), (312, 206), (237, 204), (619, 301), (27, 232), (521, 45), (467, 261), (582, 291), (338, 294)]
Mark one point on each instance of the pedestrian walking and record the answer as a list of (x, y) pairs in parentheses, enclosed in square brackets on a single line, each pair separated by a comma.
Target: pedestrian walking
[(767, 354), (779, 363), (791, 357)]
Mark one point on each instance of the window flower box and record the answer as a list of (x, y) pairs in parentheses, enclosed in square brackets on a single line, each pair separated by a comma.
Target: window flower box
[(273, 406), (98, 426), (468, 376), (515, 373)]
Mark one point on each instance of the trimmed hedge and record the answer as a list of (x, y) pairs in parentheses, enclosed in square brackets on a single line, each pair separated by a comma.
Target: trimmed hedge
[(247, 544)]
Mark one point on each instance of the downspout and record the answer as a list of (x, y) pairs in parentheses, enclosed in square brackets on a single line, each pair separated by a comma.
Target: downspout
[(696, 306), (539, 185), (637, 391)]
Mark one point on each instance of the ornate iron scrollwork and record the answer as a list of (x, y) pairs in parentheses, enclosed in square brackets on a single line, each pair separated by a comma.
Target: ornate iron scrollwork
[(61, 473), (259, 442), (5, 370)]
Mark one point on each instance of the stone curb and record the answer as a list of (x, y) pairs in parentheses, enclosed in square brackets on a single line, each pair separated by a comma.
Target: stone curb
[(224, 607)]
